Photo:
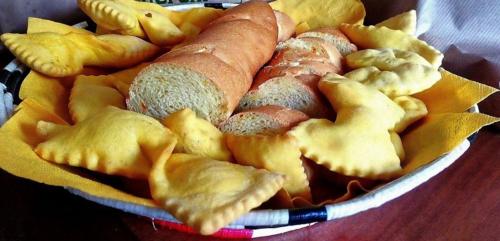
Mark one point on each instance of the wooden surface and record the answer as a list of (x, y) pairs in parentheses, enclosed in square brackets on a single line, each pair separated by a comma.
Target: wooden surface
[(461, 203)]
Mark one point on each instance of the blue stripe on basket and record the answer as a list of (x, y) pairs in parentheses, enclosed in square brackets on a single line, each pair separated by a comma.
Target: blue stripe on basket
[(472, 137), (307, 215), (214, 5)]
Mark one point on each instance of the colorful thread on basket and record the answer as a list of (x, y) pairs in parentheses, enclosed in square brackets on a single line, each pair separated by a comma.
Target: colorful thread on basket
[(222, 233), (307, 215)]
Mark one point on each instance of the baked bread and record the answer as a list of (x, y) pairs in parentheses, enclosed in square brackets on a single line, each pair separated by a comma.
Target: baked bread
[(290, 80), (213, 71), (299, 93), (286, 26), (334, 37), (265, 120)]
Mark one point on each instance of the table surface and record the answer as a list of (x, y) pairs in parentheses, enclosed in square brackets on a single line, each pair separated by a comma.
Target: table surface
[(461, 203)]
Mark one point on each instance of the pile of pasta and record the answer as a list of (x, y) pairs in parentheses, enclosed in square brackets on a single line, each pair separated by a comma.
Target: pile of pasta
[(202, 176)]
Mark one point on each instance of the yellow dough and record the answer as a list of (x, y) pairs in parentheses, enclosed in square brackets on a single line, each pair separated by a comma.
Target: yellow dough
[(358, 143), (393, 72), (278, 153), (40, 25), (105, 90), (146, 20), (197, 136), (406, 22), (414, 110), (372, 37), (207, 194), (113, 141), (60, 55), (322, 14)]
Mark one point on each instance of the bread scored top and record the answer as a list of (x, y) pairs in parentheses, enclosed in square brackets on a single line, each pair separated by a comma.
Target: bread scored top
[(212, 72)]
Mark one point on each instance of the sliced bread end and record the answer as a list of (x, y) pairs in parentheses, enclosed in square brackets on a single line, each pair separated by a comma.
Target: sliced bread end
[(288, 92), (265, 120), (162, 88)]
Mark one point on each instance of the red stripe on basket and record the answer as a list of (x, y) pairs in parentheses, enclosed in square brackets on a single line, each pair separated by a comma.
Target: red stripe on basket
[(222, 233)]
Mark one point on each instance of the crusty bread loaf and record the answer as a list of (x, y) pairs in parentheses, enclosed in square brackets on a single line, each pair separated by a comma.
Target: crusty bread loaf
[(212, 72), (263, 120), (290, 80), (299, 93), (332, 36), (310, 46), (295, 69), (286, 26)]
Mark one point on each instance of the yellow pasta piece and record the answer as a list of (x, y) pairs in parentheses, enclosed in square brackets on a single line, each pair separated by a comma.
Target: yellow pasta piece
[(350, 96), (197, 136), (143, 19), (414, 110), (358, 143), (22, 124), (174, 16), (100, 30), (114, 15), (368, 154), (106, 90), (82, 107), (302, 27), (398, 145), (114, 141), (199, 17), (393, 72), (384, 58), (278, 153), (406, 22), (122, 80), (190, 31), (159, 29), (372, 37), (207, 194), (322, 14), (48, 92), (60, 55), (39, 25)]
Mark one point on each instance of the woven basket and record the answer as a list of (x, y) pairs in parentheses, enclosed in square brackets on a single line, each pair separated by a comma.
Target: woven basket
[(261, 223)]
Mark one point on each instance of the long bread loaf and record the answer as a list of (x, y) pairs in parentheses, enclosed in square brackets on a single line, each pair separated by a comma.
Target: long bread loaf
[(211, 73), (291, 77)]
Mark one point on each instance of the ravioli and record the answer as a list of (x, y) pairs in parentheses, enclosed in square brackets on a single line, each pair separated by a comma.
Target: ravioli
[(113, 141), (358, 143), (60, 55), (207, 194), (197, 136), (393, 72), (278, 153)]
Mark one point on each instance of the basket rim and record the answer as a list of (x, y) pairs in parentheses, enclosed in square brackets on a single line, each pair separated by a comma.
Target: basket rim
[(275, 218), (269, 222)]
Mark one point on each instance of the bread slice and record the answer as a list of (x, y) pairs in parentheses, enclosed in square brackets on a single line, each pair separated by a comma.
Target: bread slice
[(294, 55), (265, 120), (335, 57), (295, 69), (299, 93), (286, 26), (311, 46), (333, 36)]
